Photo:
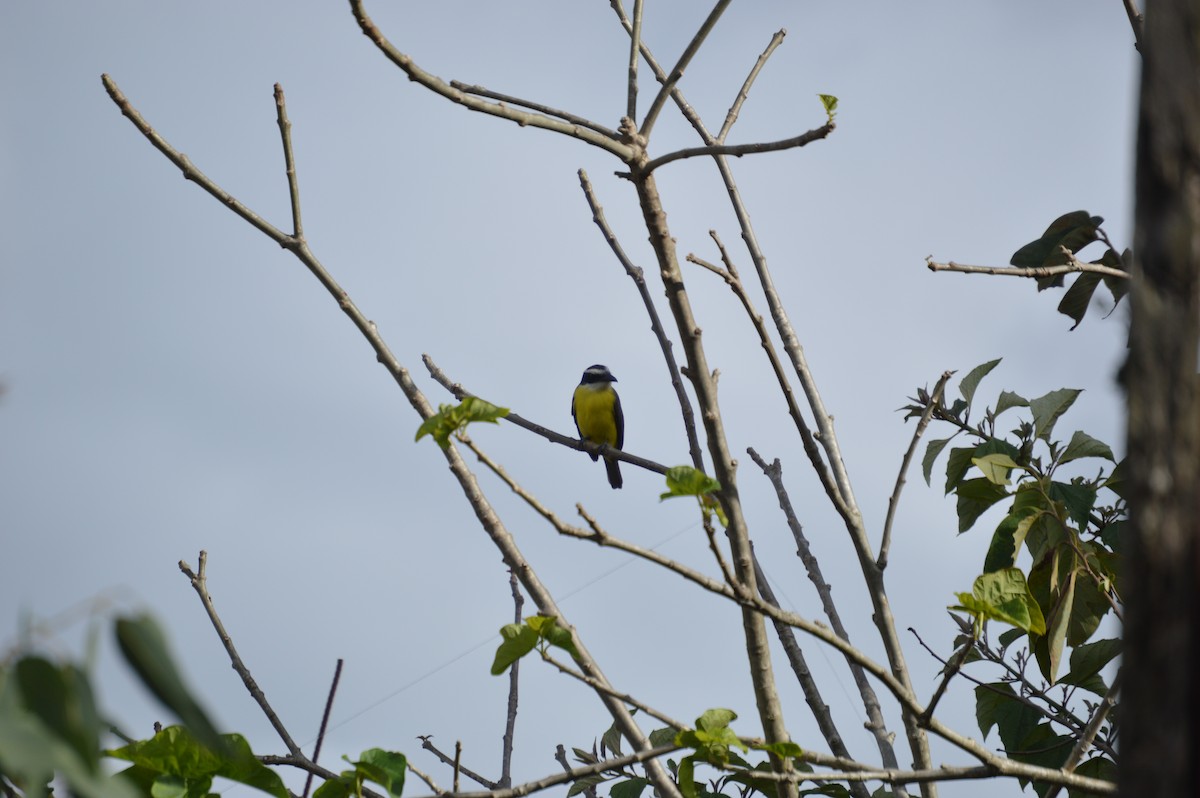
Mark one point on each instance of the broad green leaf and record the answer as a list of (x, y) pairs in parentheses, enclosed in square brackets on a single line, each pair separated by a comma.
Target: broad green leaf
[(1008, 399), (335, 788), (971, 381), (685, 777), (517, 640), (451, 418), (611, 740), (715, 719), (1010, 636), (630, 788), (549, 629), (1078, 297), (932, 450), (960, 459), (145, 649), (661, 736), (1113, 534), (997, 705), (1084, 445), (687, 481), (1098, 767), (1077, 499), (995, 467), (1002, 552), (385, 768), (1042, 747), (1087, 660), (975, 496), (583, 784), (1117, 286), (1073, 230), (1052, 583), (1003, 596), (61, 698), (174, 752), (1046, 410), (784, 750), (1116, 481)]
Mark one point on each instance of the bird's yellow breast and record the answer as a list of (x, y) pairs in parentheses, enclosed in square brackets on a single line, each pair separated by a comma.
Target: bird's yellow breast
[(593, 405)]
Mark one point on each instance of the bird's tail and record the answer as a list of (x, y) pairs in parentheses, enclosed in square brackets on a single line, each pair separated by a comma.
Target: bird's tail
[(614, 472)]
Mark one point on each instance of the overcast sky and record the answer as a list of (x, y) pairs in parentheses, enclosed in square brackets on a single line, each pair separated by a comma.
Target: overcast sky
[(176, 382)]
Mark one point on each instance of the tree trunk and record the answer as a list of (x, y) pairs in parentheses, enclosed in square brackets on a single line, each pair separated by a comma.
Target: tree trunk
[(1160, 711)]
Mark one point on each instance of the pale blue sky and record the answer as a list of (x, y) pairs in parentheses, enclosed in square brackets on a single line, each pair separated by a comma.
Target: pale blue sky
[(175, 381)]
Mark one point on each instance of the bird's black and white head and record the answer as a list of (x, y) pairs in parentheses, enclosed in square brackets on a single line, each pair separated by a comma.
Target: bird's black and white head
[(597, 374)]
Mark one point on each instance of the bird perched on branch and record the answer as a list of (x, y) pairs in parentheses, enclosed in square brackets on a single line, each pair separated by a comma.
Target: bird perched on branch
[(596, 409)]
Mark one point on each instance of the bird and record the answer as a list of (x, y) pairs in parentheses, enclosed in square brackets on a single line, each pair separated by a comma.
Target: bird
[(596, 409)]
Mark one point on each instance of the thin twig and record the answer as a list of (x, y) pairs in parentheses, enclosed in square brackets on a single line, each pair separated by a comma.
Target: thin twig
[(875, 721), (337, 676), (738, 150), (641, 706), (510, 717), (635, 41), (574, 774), (199, 581), (560, 756), (812, 692), (664, 343), (435, 84), (1033, 272), (302, 762), (902, 477), (483, 91), (744, 93), (425, 777), (285, 131), (1088, 736), (689, 52), (951, 670), (459, 392), (455, 762)]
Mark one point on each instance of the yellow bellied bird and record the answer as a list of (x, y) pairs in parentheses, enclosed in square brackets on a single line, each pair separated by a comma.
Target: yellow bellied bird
[(596, 409)]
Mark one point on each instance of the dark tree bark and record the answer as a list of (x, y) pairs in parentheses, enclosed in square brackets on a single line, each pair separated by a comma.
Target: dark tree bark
[(1160, 710)]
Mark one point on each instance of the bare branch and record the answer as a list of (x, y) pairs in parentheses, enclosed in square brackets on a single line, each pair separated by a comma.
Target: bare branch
[(635, 41), (738, 150), (457, 390), (628, 699), (337, 676), (1088, 736), (1036, 272), (875, 722), (639, 280), (587, 133), (1136, 21), (689, 52), (510, 722), (812, 693), (489, 520), (744, 93), (199, 580), (575, 774), (894, 501), (483, 91), (285, 131), (426, 778), (455, 762)]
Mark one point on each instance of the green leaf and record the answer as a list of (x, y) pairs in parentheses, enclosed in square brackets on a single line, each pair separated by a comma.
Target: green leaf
[(715, 719), (385, 768), (1087, 660), (1046, 410), (630, 788), (995, 467), (1008, 399), (687, 481), (451, 418), (191, 765), (1052, 583), (975, 496), (685, 778), (1003, 596), (960, 459), (1117, 482), (145, 649), (611, 740), (830, 103), (586, 782), (61, 698), (1073, 230), (997, 705), (1078, 297), (1077, 499), (971, 381), (1042, 747), (931, 454), (785, 749), (1097, 767), (1084, 445), (661, 736), (517, 640)]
